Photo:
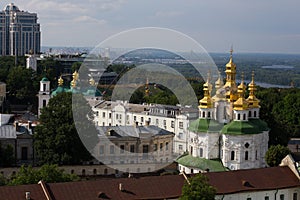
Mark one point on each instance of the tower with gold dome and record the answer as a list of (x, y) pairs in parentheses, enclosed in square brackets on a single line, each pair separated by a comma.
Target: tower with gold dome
[(45, 95), (228, 132)]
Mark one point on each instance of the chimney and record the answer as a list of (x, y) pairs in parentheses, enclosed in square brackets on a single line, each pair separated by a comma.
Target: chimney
[(17, 126), (147, 123), (121, 187), (29, 124), (27, 195)]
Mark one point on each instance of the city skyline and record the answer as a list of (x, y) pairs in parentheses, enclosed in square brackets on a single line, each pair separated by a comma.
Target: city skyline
[(256, 26)]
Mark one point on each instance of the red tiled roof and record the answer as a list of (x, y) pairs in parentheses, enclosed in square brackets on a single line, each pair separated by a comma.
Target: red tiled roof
[(18, 192), (253, 180), (152, 187), (156, 187)]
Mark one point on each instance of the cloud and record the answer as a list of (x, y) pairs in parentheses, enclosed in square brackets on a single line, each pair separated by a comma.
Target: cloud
[(88, 19), (168, 14)]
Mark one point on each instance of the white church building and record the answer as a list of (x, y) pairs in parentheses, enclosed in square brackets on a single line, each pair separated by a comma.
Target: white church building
[(228, 132)]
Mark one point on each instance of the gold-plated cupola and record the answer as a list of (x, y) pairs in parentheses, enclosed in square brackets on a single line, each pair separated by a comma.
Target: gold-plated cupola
[(253, 101), (241, 103), (230, 85), (206, 101)]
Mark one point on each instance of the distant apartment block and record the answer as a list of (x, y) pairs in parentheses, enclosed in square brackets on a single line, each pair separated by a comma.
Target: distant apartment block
[(19, 32)]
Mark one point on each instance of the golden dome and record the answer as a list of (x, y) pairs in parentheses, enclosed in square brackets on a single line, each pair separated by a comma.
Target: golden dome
[(73, 83), (230, 84), (75, 75), (206, 101), (219, 82), (92, 81), (241, 103), (253, 101), (60, 81)]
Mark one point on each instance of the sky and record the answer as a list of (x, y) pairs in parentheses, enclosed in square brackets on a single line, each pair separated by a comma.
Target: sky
[(270, 26)]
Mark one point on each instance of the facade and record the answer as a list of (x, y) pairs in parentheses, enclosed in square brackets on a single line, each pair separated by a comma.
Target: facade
[(134, 149), (171, 118), (19, 32), (19, 136), (228, 128)]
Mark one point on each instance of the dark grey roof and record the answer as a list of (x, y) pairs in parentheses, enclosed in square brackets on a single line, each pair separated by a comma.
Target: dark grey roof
[(132, 131)]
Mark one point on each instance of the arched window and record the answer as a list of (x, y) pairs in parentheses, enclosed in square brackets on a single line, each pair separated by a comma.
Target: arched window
[(208, 114), (254, 113), (246, 155), (201, 152), (105, 171), (232, 155), (244, 117), (239, 116), (249, 113), (203, 114)]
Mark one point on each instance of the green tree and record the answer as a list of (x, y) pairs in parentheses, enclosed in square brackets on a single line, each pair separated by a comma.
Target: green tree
[(56, 138), (3, 180), (275, 154), (198, 189), (287, 113), (7, 157), (22, 85), (47, 173)]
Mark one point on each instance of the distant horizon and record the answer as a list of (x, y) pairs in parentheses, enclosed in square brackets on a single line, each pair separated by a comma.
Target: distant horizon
[(43, 47)]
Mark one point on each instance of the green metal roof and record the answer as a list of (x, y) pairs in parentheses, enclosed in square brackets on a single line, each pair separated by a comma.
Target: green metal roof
[(44, 79), (59, 89), (205, 125), (201, 163), (253, 126)]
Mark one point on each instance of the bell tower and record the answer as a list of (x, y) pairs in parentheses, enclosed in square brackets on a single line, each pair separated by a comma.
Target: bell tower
[(44, 94)]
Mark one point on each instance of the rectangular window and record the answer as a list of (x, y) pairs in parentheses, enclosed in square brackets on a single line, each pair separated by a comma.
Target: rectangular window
[(281, 197), (267, 198), (134, 118), (165, 122), (112, 149), (155, 147), (249, 198), (161, 146), (101, 149), (180, 147), (122, 147), (172, 124), (132, 148), (157, 123), (142, 119), (167, 146), (103, 114), (180, 124), (295, 196), (44, 103), (109, 115)]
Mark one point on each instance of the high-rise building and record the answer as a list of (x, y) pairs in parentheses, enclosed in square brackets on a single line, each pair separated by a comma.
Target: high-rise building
[(19, 32)]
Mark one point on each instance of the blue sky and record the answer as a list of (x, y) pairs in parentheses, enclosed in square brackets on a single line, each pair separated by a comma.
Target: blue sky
[(250, 26)]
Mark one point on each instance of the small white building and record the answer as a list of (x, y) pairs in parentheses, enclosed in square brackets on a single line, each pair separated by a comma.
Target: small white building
[(134, 148)]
